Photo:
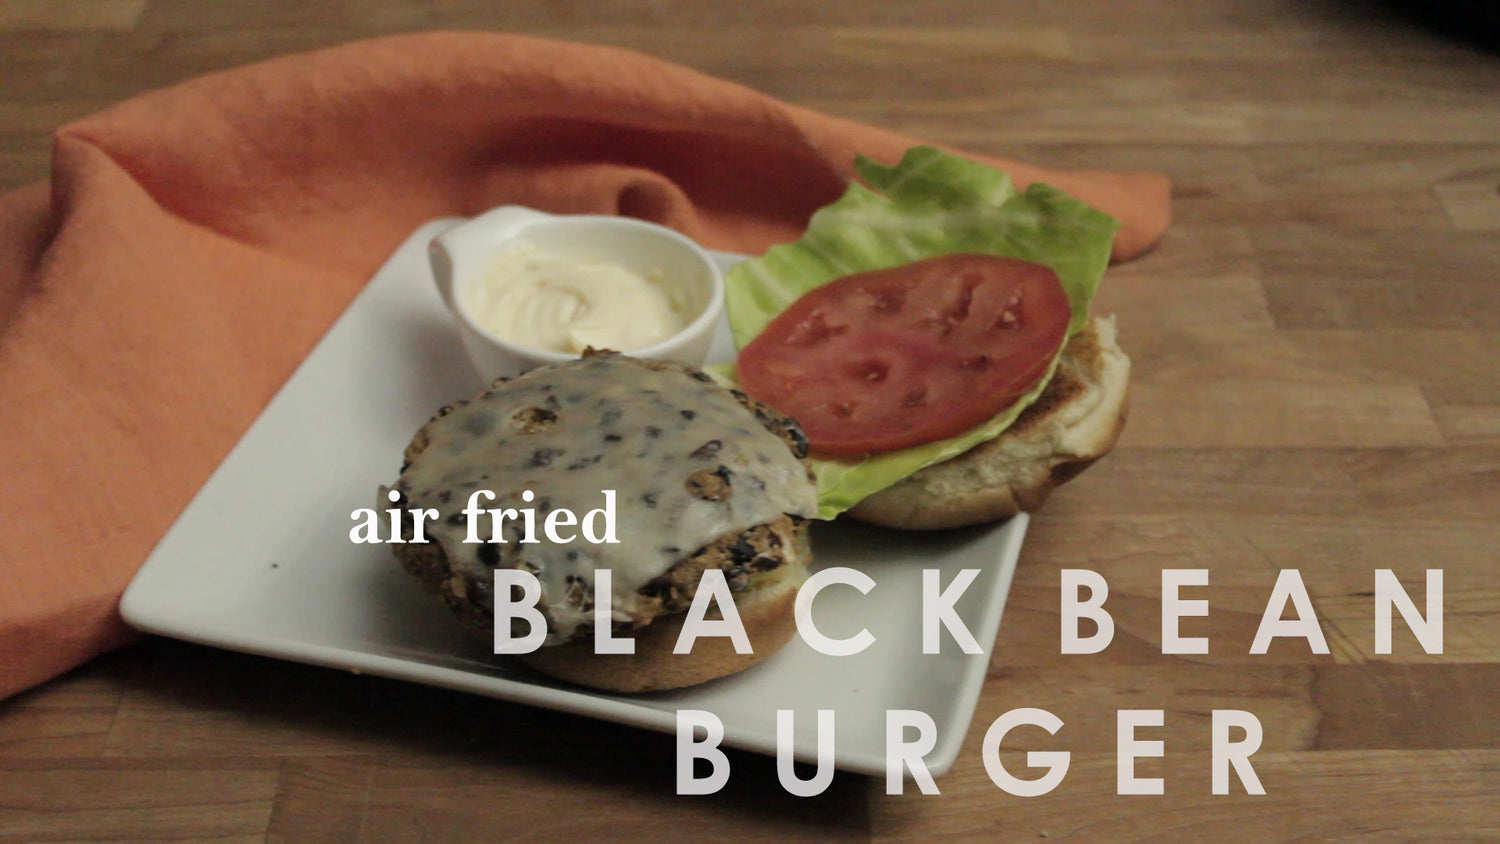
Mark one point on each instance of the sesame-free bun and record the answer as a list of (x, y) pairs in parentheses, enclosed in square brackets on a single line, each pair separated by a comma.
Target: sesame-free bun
[(1075, 421), (766, 611)]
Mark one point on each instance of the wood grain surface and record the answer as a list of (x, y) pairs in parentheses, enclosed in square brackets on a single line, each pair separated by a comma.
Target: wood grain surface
[(1317, 387)]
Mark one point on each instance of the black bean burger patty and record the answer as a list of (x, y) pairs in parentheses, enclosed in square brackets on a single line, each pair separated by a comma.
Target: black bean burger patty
[(747, 557)]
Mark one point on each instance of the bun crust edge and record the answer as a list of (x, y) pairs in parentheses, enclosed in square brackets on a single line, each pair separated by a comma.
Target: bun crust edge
[(1076, 420), (766, 611)]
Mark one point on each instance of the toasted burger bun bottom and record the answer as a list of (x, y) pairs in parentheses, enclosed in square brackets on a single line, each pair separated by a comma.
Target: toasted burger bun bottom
[(765, 610), (1075, 421)]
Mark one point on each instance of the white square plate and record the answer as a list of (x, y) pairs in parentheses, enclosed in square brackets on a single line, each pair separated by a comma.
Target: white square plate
[(261, 562)]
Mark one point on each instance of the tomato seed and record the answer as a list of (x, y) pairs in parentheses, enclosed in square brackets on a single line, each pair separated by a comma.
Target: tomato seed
[(814, 330), (888, 301), (1010, 315), (870, 371)]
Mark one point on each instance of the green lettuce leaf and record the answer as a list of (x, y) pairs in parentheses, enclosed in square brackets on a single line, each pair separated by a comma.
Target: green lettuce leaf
[(931, 203)]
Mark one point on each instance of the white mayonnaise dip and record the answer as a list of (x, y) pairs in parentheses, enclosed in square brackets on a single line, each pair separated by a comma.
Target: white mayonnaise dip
[(563, 303)]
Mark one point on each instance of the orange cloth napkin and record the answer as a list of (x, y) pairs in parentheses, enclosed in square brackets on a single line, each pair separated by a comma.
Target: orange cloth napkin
[(195, 242)]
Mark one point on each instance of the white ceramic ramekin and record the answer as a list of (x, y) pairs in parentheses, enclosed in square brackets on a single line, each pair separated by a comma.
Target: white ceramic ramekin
[(462, 255)]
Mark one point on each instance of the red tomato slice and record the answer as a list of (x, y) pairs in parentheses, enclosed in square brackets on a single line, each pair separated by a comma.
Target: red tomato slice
[(898, 357)]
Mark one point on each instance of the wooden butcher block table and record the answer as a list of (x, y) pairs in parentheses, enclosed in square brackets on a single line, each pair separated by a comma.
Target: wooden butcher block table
[(1316, 347)]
